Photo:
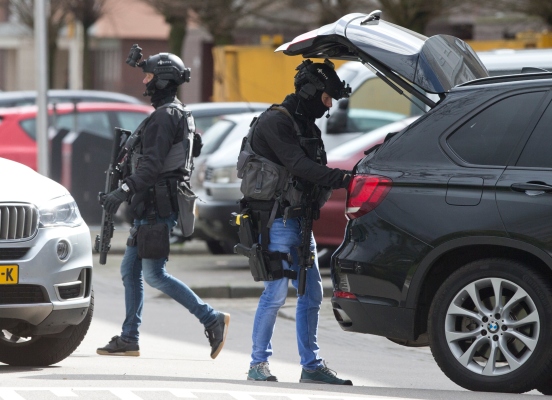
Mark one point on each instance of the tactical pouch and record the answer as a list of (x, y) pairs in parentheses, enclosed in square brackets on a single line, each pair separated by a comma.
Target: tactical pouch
[(132, 237), (259, 180), (243, 159), (246, 232), (265, 265), (186, 209), (153, 241), (163, 199), (257, 264)]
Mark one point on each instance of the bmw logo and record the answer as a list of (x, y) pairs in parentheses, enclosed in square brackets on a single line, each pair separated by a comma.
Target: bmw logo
[(492, 327)]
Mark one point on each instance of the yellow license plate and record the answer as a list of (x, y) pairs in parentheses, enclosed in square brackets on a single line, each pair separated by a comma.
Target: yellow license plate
[(9, 274)]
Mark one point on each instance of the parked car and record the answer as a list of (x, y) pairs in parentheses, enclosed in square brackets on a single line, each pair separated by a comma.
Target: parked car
[(329, 229), (18, 125), (448, 239), (206, 115), (80, 144), (46, 297), (28, 97), (222, 186), (509, 61)]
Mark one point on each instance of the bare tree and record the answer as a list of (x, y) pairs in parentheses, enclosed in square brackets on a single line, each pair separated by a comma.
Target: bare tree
[(221, 17), (175, 13), (87, 12), (331, 10), (414, 14), (24, 11)]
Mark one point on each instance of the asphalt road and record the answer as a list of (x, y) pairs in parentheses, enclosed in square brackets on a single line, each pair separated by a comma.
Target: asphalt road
[(175, 362)]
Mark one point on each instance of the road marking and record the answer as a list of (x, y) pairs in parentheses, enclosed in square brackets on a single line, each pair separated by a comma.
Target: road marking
[(182, 393), (10, 394), (242, 396), (63, 392), (126, 393)]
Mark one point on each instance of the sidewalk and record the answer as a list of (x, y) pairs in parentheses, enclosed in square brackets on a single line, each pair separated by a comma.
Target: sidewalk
[(210, 276)]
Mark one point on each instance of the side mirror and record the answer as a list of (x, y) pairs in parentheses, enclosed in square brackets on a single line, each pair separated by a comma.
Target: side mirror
[(337, 123)]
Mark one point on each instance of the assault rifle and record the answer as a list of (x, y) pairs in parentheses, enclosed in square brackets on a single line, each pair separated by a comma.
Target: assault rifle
[(306, 256), (113, 176)]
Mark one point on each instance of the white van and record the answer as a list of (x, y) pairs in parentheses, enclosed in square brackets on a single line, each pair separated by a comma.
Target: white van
[(508, 61)]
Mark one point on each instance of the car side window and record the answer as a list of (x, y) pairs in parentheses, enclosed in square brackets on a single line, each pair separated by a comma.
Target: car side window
[(93, 122), (538, 150), (130, 120), (490, 137), (204, 123)]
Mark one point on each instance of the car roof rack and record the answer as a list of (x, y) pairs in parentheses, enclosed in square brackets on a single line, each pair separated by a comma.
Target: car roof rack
[(508, 78)]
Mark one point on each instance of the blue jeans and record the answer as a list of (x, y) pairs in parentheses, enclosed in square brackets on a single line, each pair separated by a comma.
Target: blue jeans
[(285, 239), (155, 274)]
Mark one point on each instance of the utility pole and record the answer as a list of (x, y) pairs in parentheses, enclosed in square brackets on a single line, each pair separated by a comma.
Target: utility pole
[(41, 55)]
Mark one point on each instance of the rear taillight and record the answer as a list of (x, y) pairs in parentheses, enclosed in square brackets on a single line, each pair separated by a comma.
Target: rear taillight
[(344, 295), (365, 193)]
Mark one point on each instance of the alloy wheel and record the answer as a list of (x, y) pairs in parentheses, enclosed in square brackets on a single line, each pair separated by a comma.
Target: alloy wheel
[(492, 326)]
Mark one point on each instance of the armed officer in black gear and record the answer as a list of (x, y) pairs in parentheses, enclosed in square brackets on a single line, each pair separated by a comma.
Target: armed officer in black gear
[(282, 157), (157, 163)]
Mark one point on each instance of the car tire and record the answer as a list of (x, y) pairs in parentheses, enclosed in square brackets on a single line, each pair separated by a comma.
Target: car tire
[(467, 327), (545, 387), (43, 351)]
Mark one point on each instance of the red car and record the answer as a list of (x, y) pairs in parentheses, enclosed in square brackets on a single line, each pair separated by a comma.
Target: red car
[(329, 229), (18, 125)]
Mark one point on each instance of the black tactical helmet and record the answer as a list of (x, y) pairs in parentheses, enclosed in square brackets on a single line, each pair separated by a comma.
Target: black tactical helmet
[(319, 77), (166, 67)]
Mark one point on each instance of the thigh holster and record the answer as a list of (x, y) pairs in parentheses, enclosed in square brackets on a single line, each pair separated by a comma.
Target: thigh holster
[(254, 222)]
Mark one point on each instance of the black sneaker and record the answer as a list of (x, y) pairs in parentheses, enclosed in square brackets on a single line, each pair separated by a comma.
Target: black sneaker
[(216, 333), (322, 374), (117, 346)]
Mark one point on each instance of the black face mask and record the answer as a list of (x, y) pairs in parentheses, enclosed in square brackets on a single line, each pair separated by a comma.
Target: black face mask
[(314, 107), (162, 96)]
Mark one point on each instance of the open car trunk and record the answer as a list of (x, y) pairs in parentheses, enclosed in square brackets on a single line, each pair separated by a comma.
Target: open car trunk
[(402, 58)]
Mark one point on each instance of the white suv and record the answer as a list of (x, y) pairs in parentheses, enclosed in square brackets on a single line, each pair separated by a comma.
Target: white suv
[(46, 298)]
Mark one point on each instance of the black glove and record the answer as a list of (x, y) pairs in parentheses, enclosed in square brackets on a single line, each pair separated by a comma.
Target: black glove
[(346, 179), (113, 200)]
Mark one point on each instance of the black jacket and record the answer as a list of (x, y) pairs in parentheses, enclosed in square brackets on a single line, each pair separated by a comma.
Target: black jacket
[(160, 132), (275, 138)]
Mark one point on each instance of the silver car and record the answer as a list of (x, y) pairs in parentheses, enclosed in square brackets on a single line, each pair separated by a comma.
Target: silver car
[(46, 298)]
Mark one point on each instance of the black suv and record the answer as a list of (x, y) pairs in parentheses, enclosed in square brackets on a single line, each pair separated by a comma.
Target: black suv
[(449, 239)]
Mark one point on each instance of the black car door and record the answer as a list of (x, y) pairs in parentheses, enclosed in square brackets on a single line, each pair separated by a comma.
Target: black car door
[(524, 191)]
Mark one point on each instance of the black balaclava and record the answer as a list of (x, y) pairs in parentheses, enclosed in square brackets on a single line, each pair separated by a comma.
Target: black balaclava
[(314, 107), (160, 96)]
